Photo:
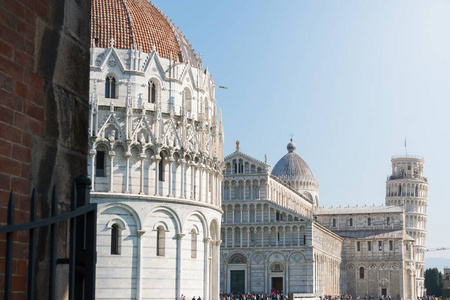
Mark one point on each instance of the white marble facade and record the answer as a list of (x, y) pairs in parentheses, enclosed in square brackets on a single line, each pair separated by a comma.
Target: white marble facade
[(276, 235), (156, 162)]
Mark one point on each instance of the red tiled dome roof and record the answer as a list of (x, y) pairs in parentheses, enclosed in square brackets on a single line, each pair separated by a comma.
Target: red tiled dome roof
[(140, 23)]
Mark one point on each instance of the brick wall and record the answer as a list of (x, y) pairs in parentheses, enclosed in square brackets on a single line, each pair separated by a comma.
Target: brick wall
[(44, 73)]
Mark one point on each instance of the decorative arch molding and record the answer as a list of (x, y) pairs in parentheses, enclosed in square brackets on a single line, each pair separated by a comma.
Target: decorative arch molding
[(276, 256), (158, 224), (117, 220), (297, 257), (171, 212), (258, 257), (126, 208), (202, 219)]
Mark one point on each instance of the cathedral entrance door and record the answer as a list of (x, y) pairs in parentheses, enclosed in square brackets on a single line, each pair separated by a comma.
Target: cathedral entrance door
[(237, 281), (277, 284), (384, 292)]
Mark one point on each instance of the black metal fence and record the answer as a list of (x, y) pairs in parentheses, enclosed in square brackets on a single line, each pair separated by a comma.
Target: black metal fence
[(82, 243)]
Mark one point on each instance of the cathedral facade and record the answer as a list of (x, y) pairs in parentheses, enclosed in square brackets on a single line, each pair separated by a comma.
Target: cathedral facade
[(156, 157), (276, 238)]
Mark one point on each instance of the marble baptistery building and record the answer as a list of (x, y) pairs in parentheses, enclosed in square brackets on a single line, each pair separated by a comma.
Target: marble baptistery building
[(156, 157)]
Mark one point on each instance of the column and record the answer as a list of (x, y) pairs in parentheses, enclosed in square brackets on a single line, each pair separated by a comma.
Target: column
[(248, 276), (233, 214), (240, 238), (216, 271), (156, 159), (206, 242), (248, 237), (232, 237), (200, 179), (182, 163), (262, 214), (127, 156), (248, 214), (178, 280), (276, 236), (286, 285), (111, 170), (244, 191), (266, 280), (192, 180), (92, 154), (262, 237), (171, 160), (207, 185), (142, 157), (251, 190), (284, 236), (139, 234)]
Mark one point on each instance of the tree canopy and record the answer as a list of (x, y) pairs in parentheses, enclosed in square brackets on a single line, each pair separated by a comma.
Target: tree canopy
[(433, 282)]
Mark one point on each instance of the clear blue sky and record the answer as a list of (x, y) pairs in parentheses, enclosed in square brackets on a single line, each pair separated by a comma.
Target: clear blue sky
[(350, 79)]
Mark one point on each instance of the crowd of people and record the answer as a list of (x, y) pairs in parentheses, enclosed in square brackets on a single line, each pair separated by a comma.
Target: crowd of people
[(249, 296), (281, 296)]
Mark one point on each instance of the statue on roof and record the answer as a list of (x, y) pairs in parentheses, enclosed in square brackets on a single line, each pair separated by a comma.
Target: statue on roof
[(238, 147)]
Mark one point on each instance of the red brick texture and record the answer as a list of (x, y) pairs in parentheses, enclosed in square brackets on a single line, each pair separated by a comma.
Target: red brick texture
[(21, 117)]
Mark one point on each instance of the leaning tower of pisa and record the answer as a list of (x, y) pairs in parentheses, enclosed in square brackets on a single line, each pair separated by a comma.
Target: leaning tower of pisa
[(407, 185)]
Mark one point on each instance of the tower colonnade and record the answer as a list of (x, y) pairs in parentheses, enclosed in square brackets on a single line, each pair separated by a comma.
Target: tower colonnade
[(408, 187)]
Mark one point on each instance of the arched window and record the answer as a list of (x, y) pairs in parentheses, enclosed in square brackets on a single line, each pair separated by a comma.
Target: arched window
[(161, 174), (110, 87), (361, 273), (350, 222), (369, 221), (388, 221), (193, 244), (160, 241), (115, 239), (334, 222), (151, 92)]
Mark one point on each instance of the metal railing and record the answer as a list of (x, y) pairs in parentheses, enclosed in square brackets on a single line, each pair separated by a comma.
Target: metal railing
[(82, 244)]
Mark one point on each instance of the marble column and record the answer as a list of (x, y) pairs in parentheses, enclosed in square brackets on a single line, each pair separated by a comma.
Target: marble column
[(206, 242), (139, 234), (156, 159), (171, 160), (111, 170), (127, 156), (179, 273), (142, 157), (182, 175), (92, 154)]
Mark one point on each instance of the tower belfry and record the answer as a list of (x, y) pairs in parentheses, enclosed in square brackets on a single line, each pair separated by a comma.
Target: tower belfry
[(407, 186)]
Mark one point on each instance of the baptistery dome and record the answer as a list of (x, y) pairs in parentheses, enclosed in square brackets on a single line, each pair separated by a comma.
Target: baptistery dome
[(291, 165), (140, 23)]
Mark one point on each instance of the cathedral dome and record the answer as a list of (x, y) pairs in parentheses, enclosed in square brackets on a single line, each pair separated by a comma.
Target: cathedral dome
[(140, 23), (291, 165)]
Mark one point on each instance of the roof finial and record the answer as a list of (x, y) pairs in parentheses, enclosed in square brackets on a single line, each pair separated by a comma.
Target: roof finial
[(238, 145), (291, 135), (111, 42)]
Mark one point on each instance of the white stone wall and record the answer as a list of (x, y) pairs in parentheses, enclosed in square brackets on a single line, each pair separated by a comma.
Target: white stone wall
[(155, 163), (138, 272)]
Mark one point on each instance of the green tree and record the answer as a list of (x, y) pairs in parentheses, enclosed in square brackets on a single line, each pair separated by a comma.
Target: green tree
[(433, 282)]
